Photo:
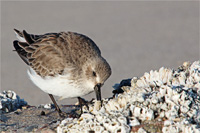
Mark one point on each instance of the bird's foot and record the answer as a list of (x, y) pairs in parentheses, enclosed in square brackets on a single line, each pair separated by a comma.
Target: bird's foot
[(91, 101), (83, 102), (69, 115), (63, 114)]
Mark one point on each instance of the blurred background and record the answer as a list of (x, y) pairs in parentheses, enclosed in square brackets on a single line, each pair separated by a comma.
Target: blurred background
[(134, 37)]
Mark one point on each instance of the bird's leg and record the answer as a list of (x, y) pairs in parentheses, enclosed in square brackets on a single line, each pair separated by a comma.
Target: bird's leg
[(56, 105), (81, 103)]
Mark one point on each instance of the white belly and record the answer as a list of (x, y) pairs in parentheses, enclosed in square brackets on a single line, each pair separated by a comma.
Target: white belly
[(58, 86)]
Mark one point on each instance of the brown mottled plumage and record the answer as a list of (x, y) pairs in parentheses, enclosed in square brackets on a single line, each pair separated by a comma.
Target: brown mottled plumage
[(64, 64)]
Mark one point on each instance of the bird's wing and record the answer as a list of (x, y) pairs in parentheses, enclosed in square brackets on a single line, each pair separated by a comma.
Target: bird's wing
[(46, 54)]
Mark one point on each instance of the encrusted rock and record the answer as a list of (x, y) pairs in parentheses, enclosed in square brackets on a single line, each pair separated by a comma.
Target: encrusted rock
[(160, 101), (170, 97), (10, 101)]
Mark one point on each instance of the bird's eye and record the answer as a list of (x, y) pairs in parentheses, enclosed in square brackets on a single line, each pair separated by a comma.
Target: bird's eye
[(94, 74)]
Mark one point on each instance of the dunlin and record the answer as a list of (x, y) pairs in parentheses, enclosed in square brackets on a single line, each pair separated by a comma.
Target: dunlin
[(64, 64)]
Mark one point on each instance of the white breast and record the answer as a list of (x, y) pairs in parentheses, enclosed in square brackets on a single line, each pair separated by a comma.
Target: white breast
[(58, 86)]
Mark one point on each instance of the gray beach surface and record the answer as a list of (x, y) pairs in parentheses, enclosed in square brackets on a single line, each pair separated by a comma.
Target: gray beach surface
[(135, 37)]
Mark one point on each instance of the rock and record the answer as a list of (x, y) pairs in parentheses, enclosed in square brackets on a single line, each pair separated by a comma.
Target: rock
[(160, 101), (157, 102), (10, 101)]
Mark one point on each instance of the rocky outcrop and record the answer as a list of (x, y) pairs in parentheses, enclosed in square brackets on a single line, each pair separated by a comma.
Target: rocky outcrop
[(165, 100)]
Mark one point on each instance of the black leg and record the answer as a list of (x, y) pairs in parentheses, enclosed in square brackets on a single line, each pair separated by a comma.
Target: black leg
[(56, 105), (81, 103)]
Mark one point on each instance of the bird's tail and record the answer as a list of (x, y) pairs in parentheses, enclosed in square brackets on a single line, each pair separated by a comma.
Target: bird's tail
[(25, 37), (19, 35)]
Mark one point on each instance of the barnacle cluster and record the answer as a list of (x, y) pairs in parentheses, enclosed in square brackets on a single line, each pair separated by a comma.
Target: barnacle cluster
[(10, 101), (171, 97)]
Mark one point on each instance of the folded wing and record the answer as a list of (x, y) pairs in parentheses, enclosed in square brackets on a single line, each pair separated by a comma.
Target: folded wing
[(46, 54)]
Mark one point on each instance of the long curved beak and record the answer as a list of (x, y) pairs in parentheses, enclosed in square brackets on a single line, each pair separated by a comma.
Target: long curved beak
[(97, 90)]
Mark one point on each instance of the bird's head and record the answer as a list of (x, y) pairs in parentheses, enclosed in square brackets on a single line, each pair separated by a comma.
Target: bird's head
[(97, 71)]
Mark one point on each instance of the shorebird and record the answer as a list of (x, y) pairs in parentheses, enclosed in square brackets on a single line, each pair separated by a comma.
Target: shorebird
[(64, 64)]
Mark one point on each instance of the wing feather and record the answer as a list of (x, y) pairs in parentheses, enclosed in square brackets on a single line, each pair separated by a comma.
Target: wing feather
[(44, 55)]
